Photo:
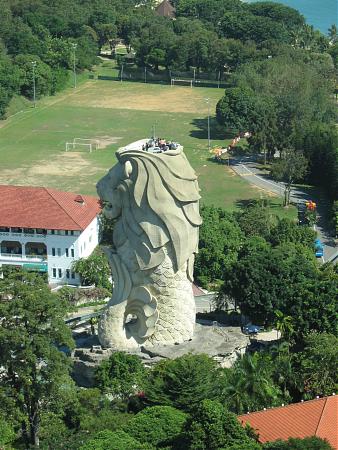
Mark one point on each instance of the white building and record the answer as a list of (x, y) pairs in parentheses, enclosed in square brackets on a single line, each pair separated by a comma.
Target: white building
[(45, 230)]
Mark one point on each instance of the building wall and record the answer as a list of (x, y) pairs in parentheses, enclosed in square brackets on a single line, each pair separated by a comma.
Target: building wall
[(62, 249)]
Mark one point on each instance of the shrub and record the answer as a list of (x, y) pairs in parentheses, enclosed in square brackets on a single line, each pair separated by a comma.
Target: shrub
[(157, 425), (113, 440)]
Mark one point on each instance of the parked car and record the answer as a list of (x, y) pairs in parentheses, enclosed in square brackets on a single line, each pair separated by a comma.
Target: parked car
[(252, 329)]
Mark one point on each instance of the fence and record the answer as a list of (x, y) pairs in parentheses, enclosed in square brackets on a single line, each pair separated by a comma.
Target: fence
[(146, 75)]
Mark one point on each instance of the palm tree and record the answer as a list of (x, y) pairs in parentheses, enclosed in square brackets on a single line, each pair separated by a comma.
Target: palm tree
[(332, 33), (284, 324), (307, 37), (250, 386)]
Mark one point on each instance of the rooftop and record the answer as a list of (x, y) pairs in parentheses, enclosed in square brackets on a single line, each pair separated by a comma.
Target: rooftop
[(299, 420), (165, 9), (40, 207)]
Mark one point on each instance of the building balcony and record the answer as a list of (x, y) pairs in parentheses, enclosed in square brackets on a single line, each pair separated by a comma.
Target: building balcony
[(37, 263), (22, 258)]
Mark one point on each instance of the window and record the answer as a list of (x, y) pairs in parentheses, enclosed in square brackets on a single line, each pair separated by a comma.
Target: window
[(53, 251), (66, 232), (59, 251), (67, 273), (84, 246), (16, 230), (72, 233), (52, 231), (73, 275), (4, 229), (72, 252), (41, 231), (28, 230), (90, 238), (67, 252), (54, 273), (60, 273)]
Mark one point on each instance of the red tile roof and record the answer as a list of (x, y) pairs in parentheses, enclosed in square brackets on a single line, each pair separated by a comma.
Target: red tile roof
[(197, 291), (312, 418), (39, 207)]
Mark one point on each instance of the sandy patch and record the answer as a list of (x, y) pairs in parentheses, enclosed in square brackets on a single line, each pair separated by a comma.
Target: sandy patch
[(53, 172), (166, 99), (104, 141)]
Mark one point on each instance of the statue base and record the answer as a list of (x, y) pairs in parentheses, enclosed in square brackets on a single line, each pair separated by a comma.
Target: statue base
[(223, 343)]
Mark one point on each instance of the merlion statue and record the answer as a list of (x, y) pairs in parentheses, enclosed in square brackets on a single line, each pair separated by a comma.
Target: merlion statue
[(155, 199)]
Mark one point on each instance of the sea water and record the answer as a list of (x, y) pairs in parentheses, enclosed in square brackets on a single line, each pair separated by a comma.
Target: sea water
[(319, 13)]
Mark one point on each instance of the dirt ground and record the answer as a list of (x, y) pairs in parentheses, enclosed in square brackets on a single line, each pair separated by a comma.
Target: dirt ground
[(65, 165), (158, 98)]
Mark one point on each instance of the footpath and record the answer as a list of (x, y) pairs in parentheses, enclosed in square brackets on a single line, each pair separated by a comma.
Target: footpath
[(248, 168)]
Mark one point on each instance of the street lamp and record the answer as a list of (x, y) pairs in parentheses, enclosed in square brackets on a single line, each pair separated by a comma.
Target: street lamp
[(34, 91), (209, 144), (74, 47)]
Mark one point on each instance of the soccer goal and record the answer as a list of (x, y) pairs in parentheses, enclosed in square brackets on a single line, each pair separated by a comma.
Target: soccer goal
[(78, 146), (180, 81), (83, 144), (95, 142)]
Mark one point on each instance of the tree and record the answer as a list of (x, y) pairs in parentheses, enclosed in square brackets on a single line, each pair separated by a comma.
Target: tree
[(121, 375), (32, 328), (157, 425), (107, 33), (42, 74), (9, 81), (320, 143), (290, 169), (90, 411), (284, 324), (236, 109), (295, 92), (308, 443), (183, 382), (256, 220), (267, 278), (212, 427), (318, 364), (7, 434), (94, 270), (332, 33), (219, 242), (288, 231), (276, 11), (113, 440), (250, 386)]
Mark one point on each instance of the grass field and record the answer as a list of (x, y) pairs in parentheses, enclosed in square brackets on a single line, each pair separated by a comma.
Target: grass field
[(32, 143)]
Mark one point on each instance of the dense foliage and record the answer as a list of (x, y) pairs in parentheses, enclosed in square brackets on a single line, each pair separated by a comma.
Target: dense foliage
[(121, 375), (157, 425), (212, 427), (308, 443), (195, 399), (183, 382), (286, 102), (33, 370), (94, 270)]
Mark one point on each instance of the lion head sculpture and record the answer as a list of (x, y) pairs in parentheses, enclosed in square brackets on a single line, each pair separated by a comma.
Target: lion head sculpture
[(155, 200)]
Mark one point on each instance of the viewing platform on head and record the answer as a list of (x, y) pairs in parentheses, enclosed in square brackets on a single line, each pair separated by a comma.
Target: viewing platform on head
[(153, 145)]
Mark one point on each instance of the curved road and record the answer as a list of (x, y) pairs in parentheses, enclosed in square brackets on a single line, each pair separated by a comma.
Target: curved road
[(247, 168)]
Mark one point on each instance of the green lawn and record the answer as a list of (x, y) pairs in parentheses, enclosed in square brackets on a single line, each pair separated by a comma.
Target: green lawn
[(32, 143)]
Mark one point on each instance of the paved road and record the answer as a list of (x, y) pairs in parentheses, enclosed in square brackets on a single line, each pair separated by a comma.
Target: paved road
[(247, 168)]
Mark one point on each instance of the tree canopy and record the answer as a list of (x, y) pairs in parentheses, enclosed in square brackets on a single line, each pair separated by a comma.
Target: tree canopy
[(34, 370)]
